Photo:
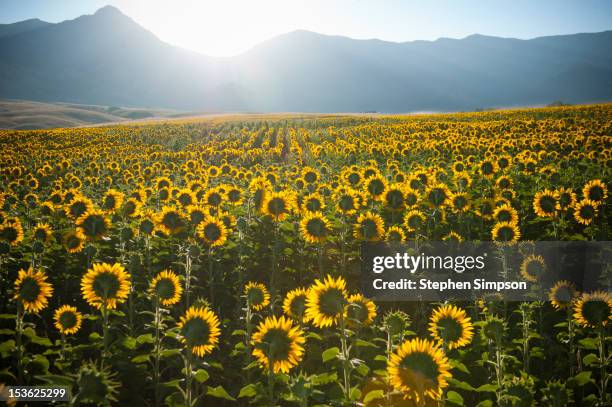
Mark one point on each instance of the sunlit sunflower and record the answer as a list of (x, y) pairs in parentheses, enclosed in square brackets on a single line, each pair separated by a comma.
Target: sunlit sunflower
[(94, 224), (257, 295), (278, 205), (78, 206), (326, 301), (314, 227), (566, 198), (105, 285), (460, 202), (171, 220), (278, 343), (360, 311), (452, 326), (585, 212), (74, 241), (394, 197), (112, 200), (294, 304), (11, 231), (212, 231), (545, 204), (369, 226), (437, 196), (395, 234), (533, 268), (505, 213), (131, 208), (593, 309), (562, 294), (419, 369), (595, 191), (347, 201), (199, 329), (506, 232), (42, 232), (414, 220), (313, 203), (166, 287), (32, 290), (67, 319), (375, 186)]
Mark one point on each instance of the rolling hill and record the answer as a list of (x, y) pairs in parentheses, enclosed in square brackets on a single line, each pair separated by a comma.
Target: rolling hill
[(108, 59)]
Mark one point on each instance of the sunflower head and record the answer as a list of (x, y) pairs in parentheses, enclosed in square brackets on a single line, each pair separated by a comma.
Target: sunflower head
[(562, 294), (96, 386), (506, 232), (314, 227), (419, 369), (533, 268), (212, 231), (32, 290), (395, 234), (370, 227), (437, 196), (593, 309), (166, 288), (257, 295), (360, 311), (326, 301), (42, 232), (11, 231), (585, 211), (278, 205), (171, 221), (105, 285), (294, 304), (67, 319), (545, 204), (278, 344), (493, 329), (74, 241), (199, 329), (94, 224), (396, 322), (595, 191), (451, 325)]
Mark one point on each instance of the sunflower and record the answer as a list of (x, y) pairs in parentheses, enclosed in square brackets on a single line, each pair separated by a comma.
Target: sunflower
[(566, 198), (42, 232), (186, 197), (199, 329), (314, 227), (93, 224), (506, 232), (394, 197), (437, 196), (533, 268), (11, 231), (67, 319), (360, 311), (313, 203), (74, 241), (347, 201), (451, 325), (460, 202), (585, 212), (493, 329), (131, 208), (395, 234), (505, 213), (326, 301), (112, 200), (105, 285), (197, 214), (212, 231), (452, 236), (593, 309), (545, 204), (170, 220), (257, 295), (32, 290), (413, 220), (375, 186), (562, 294), (419, 369), (294, 304), (166, 287), (595, 191), (278, 205), (78, 206), (369, 226), (278, 343)]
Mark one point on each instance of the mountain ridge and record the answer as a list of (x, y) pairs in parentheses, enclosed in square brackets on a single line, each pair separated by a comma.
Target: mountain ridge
[(107, 58)]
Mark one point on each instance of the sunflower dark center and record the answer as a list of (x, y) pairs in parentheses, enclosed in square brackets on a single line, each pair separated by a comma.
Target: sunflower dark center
[(313, 205), (212, 232), (298, 306), (369, 229), (548, 203), (165, 289), (596, 311), (68, 319), (595, 193), (436, 196), (331, 302), (395, 199), (346, 203), (316, 227), (449, 329), (94, 225), (419, 370), (376, 187), (357, 311), (255, 296), (106, 285), (277, 206), (275, 344), (29, 289), (196, 332)]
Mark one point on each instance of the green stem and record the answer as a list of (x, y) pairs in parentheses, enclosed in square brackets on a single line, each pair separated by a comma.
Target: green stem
[(156, 373), (188, 379), (19, 342), (271, 384), (346, 360), (105, 335)]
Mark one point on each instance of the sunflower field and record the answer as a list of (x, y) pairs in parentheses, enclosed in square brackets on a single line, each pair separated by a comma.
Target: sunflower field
[(216, 261)]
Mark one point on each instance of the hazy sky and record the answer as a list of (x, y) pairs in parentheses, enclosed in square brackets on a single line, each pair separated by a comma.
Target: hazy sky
[(228, 27)]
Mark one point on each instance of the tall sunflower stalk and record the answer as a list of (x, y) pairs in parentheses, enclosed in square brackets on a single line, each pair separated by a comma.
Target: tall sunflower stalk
[(346, 358)]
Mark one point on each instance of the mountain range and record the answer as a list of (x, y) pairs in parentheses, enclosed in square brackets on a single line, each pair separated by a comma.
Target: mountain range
[(108, 59)]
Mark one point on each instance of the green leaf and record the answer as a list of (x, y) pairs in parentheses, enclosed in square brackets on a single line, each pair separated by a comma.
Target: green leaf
[(487, 387), (459, 366), (373, 395), (323, 378), (461, 385), (313, 335), (240, 332), (129, 343), (166, 353), (7, 332), (588, 343), (6, 348), (485, 403), (589, 359), (219, 392), (201, 375), (363, 369), (250, 390), (57, 380), (141, 358), (145, 338), (582, 378), (454, 398), (330, 354), (355, 393), (365, 344)]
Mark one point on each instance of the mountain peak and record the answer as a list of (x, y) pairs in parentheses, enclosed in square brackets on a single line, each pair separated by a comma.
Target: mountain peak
[(109, 11)]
